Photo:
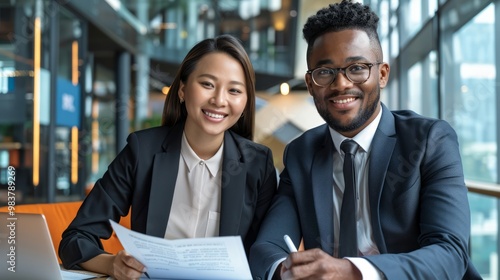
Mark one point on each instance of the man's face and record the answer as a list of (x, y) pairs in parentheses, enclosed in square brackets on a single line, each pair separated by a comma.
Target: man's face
[(346, 107)]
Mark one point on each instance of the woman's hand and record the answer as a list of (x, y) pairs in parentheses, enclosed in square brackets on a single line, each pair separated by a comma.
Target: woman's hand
[(126, 267), (120, 266)]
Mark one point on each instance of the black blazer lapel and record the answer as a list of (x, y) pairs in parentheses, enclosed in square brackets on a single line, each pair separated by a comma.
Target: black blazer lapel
[(233, 187), (322, 184), (382, 148), (164, 176)]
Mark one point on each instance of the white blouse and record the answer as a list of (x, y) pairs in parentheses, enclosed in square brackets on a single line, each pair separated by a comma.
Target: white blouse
[(196, 203)]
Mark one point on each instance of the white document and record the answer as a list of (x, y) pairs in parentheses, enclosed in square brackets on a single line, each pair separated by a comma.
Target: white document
[(79, 274), (191, 258)]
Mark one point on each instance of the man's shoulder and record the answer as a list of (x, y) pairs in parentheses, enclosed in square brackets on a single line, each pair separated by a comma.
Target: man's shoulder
[(405, 115), (411, 124), (409, 117)]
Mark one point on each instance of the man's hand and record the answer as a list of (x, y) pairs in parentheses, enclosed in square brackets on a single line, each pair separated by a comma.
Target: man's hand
[(315, 264)]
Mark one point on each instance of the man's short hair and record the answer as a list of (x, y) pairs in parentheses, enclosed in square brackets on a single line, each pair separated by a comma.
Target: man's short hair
[(341, 16)]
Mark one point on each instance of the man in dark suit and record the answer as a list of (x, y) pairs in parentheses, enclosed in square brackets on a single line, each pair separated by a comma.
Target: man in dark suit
[(410, 218)]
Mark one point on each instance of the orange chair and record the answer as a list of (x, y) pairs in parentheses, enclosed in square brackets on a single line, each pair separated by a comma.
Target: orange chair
[(59, 215)]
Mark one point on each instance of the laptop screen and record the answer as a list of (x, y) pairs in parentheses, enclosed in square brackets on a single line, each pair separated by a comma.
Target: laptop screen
[(26, 250)]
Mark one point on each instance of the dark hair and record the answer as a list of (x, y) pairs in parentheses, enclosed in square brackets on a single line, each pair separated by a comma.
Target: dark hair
[(174, 111), (342, 16)]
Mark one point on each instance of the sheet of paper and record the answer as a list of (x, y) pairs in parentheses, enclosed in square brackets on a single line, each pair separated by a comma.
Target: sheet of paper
[(79, 275), (192, 258)]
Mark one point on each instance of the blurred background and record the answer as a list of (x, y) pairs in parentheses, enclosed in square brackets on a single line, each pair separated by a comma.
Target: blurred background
[(76, 77)]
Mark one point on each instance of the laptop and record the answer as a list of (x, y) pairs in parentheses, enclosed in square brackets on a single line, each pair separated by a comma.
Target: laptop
[(27, 252)]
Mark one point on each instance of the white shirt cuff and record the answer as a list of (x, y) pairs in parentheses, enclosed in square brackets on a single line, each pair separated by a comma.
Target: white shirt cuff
[(368, 271), (273, 268)]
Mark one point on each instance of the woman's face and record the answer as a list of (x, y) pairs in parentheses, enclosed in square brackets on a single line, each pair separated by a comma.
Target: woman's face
[(215, 95)]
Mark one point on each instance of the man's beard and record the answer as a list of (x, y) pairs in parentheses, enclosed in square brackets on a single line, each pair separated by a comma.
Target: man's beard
[(361, 118)]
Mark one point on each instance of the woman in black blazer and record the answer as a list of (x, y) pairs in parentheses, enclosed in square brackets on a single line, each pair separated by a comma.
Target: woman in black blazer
[(201, 161)]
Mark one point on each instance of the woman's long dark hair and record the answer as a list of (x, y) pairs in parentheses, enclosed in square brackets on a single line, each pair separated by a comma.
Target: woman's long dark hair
[(174, 111)]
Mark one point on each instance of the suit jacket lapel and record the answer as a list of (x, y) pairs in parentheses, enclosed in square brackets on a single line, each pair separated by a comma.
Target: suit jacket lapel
[(164, 176), (381, 152), (233, 187), (322, 185)]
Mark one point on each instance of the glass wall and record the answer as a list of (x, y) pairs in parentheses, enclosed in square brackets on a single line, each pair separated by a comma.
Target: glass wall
[(16, 95), (470, 106), (40, 56), (470, 103), (416, 12), (422, 94), (68, 125), (445, 67), (266, 28)]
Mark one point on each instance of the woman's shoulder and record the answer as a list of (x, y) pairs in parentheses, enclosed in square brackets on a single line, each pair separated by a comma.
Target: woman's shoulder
[(151, 131), (245, 143), (248, 148), (153, 135), (157, 131)]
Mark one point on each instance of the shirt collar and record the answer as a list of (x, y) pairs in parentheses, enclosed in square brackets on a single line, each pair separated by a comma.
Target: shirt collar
[(363, 138), (191, 158)]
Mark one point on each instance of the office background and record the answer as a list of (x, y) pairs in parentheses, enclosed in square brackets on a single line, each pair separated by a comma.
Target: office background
[(77, 76)]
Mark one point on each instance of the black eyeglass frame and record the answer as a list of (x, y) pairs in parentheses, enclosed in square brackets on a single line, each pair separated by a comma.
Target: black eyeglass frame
[(343, 71)]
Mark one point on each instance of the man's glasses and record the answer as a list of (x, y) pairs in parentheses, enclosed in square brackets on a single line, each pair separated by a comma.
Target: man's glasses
[(357, 73)]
